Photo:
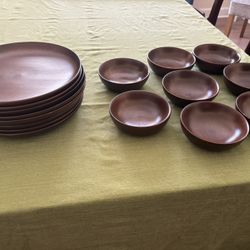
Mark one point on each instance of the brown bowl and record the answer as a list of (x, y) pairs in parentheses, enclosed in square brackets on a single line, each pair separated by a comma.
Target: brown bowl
[(237, 77), (242, 104), (123, 74), (185, 86), (139, 112), (166, 59), (213, 58), (213, 126)]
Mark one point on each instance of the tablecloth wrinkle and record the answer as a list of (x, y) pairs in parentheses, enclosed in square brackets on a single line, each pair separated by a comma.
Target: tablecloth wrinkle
[(87, 185)]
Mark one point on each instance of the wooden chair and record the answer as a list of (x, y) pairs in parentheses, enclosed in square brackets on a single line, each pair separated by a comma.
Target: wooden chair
[(214, 13), (239, 8)]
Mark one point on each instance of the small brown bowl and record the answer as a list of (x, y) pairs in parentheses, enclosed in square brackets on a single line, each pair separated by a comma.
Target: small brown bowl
[(185, 86), (242, 104), (213, 58), (123, 74), (139, 112), (213, 126), (237, 77), (166, 59)]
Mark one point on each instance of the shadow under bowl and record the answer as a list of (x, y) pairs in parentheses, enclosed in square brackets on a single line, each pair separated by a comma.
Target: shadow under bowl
[(213, 58), (123, 74), (237, 77), (242, 104), (139, 112), (163, 60), (213, 126), (183, 87)]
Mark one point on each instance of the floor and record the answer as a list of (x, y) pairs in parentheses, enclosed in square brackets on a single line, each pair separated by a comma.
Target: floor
[(234, 36)]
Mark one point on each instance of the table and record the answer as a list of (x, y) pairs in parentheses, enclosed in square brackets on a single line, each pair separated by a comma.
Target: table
[(86, 185)]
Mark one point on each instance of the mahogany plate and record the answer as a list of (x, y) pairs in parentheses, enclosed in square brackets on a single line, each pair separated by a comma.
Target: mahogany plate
[(213, 58), (43, 128), (43, 107), (237, 77), (31, 71), (165, 59), (185, 86), (139, 112), (213, 126), (243, 104), (123, 74)]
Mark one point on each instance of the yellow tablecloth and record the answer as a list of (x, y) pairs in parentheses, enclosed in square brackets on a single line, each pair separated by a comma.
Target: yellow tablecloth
[(86, 185)]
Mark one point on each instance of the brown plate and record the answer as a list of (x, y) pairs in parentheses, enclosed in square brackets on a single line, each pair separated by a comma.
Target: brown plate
[(44, 128), (32, 71), (165, 59), (213, 58), (139, 112), (213, 126), (243, 105), (29, 110), (18, 118), (40, 119), (10, 110), (122, 74), (237, 77), (185, 86)]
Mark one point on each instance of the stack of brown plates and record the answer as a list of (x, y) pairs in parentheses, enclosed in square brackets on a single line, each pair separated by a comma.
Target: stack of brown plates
[(41, 86)]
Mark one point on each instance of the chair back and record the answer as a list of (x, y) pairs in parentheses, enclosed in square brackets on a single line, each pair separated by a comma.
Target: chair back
[(213, 16)]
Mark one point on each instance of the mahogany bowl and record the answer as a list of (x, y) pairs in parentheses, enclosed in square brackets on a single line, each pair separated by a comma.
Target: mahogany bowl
[(123, 74), (139, 112), (185, 86), (242, 104), (237, 77), (163, 60), (213, 126), (213, 58)]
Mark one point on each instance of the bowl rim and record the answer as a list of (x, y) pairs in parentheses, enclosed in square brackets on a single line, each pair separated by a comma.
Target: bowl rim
[(166, 118), (237, 103), (171, 68), (209, 141), (227, 77), (123, 83), (219, 45), (192, 72)]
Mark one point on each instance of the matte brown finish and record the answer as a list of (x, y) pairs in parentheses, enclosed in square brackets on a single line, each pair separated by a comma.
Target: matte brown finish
[(242, 104), (237, 77), (123, 74), (213, 58), (166, 59), (32, 71), (139, 112), (213, 126), (185, 86)]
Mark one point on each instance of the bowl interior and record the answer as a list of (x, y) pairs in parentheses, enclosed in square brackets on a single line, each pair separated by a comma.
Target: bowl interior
[(216, 54), (171, 57), (239, 74), (214, 122), (243, 104), (190, 85), (123, 71), (139, 109)]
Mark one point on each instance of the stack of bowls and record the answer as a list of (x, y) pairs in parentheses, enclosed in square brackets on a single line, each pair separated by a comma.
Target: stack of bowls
[(41, 86)]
